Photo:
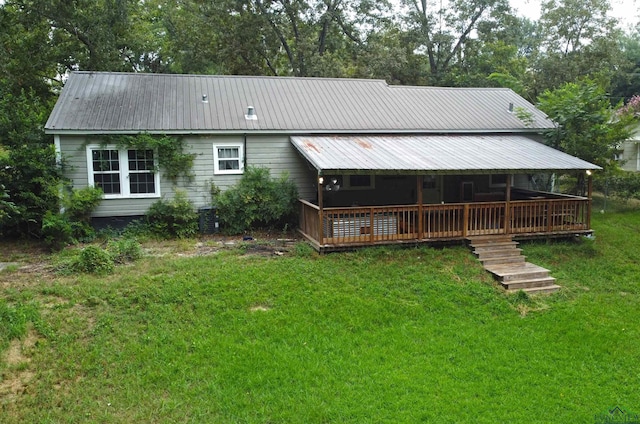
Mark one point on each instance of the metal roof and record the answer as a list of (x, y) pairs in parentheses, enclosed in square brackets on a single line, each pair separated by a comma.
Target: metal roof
[(433, 154), (102, 102)]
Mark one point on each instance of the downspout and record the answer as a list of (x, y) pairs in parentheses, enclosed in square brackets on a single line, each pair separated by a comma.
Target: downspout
[(244, 148)]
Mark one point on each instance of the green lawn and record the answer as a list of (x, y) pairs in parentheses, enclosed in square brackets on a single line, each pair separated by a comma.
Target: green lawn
[(376, 336)]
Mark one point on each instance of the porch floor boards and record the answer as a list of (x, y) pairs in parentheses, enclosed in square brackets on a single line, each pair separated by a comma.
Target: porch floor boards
[(501, 257)]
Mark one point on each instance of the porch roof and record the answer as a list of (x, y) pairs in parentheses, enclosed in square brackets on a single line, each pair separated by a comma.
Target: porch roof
[(433, 154)]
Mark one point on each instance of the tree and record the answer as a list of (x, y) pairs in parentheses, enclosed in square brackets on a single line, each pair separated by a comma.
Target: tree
[(587, 125), (28, 171), (578, 40), (626, 83), (101, 35), (442, 31)]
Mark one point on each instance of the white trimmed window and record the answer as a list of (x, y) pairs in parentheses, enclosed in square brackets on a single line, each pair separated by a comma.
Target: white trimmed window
[(123, 172), (228, 158)]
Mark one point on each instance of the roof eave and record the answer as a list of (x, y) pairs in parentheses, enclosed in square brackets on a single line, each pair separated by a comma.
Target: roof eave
[(297, 131)]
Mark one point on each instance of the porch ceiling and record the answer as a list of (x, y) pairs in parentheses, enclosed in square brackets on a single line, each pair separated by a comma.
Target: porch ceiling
[(433, 154)]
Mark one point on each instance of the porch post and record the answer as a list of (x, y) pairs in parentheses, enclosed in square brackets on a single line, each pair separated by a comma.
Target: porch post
[(419, 180), (589, 201), (320, 204), (507, 211)]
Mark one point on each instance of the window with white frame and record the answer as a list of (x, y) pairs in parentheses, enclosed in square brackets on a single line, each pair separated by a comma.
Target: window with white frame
[(123, 172), (228, 158)]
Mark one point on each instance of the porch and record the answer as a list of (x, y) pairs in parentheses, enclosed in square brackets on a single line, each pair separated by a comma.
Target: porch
[(539, 215), (437, 188)]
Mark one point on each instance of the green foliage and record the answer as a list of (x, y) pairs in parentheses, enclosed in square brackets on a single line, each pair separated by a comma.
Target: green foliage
[(257, 201), (125, 250), (93, 260), (14, 320), (7, 207), (171, 156), (173, 218), (74, 224), (28, 170), (79, 203), (57, 230), (588, 126), (214, 192), (622, 185)]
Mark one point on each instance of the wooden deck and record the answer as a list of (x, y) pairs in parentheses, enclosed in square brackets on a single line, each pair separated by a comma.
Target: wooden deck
[(337, 228)]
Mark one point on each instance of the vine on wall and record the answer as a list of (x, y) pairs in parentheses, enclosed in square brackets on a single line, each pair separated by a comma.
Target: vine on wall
[(172, 158)]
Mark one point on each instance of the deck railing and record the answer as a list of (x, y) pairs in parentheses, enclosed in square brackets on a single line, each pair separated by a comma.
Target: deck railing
[(435, 222)]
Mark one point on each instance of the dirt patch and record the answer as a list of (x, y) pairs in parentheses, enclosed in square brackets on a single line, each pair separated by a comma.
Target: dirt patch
[(18, 375)]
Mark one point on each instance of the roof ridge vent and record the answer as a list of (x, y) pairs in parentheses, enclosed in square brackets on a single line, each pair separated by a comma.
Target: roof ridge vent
[(251, 114)]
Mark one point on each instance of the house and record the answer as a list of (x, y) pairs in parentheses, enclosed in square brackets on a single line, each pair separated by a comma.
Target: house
[(629, 155), (374, 163)]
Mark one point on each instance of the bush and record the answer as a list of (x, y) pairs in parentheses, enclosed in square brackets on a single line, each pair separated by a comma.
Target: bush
[(57, 231), (124, 250), (94, 260), (79, 203), (74, 224), (625, 185), (173, 218), (258, 201)]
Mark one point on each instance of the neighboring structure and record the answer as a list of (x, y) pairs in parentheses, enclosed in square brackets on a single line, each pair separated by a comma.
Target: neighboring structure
[(373, 163), (630, 152)]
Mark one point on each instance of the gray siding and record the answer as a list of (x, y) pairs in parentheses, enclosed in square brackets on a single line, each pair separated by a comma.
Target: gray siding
[(629, 156), (273, 152), (278, 154)]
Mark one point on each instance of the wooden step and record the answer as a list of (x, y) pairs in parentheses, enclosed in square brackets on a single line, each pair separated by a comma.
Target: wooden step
[(497, 246), (526, 271), (490, 238), (503, 260), (487, 254), (537, 290), (529, 283), (501, 257)]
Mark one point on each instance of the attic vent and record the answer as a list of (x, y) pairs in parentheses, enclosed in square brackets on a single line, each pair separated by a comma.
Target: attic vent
[(510, 107), (205, 98), (251, 114)]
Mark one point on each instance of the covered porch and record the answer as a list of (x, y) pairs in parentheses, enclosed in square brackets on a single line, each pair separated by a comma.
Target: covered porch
[(361, 198)]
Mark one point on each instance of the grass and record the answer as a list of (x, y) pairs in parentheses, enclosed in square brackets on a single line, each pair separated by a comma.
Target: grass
[(380, 335)]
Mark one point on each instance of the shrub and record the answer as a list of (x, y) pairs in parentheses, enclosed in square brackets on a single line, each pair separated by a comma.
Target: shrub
[(124, 250), (94, 260), (57, 231), (79, 203), (61, 229), (624, 185), (173, 218), (258, 201)]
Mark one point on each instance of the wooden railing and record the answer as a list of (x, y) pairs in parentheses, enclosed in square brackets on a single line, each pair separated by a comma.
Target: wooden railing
[(395, 224)]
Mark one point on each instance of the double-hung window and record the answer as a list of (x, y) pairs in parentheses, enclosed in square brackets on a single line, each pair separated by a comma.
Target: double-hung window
[(228, 158), (123, 172)]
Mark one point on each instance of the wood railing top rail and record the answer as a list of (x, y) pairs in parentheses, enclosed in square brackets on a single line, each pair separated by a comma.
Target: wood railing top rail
[(307, 203)]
